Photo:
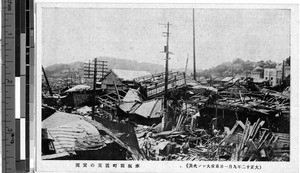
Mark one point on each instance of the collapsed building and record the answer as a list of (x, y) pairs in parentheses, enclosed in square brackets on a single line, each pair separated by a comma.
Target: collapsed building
[(239, 121)]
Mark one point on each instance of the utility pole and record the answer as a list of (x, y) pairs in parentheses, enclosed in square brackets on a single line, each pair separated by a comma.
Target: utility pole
[(194, 49), (91, 72), (94, 89), (185, 71), (166, 50), (49, 88)]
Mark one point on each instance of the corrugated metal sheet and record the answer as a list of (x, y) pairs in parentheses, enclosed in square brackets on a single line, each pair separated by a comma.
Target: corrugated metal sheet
[(65, 129)]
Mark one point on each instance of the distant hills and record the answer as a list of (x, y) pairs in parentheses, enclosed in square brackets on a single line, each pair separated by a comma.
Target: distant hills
[(76, 68), (237, 66), (58, 70)]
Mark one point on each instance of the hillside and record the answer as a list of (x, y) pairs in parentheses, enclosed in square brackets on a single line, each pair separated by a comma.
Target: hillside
[(60, 70), (238, 66)]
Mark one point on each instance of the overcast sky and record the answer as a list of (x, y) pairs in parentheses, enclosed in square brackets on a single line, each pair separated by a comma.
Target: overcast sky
[(221, 35)]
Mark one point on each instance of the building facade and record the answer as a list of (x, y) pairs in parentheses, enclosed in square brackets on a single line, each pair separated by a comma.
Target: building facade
[(270, 74)]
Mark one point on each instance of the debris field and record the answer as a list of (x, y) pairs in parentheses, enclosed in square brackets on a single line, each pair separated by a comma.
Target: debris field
[(238, 121)]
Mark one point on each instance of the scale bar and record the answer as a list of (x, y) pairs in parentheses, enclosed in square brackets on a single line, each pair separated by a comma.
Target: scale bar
[(17, 98), (22, 139)]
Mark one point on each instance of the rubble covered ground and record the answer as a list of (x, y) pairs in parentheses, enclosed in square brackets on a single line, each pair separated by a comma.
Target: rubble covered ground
[(238, 121)]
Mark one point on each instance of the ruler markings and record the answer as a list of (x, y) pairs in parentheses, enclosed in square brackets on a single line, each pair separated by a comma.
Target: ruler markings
[(8, 48), (17, 35)]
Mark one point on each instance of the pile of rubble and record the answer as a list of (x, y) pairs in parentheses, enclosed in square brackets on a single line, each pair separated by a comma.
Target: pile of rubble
[(238, 122), (244, 142)]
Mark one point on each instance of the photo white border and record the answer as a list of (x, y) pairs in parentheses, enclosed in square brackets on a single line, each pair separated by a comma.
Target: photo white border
[(169, 166)]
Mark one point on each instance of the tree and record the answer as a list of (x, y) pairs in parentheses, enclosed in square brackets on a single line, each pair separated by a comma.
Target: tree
[(238, 61)]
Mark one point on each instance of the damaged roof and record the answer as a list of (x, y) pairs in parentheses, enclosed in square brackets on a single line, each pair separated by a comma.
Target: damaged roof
[(132, 95), (71, 132), (149, 109), (129, 74), (65, 129)]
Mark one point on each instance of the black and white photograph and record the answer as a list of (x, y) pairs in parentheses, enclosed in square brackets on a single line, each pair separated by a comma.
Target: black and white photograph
[(162, 83)]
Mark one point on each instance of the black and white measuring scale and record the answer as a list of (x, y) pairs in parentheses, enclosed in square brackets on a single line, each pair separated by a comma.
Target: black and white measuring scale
[(17, 52)]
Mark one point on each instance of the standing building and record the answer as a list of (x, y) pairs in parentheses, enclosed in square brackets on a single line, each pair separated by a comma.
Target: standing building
[(286, 71), (270, 74)]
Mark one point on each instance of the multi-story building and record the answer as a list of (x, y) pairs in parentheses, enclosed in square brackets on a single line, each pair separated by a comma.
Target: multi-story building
[(270, 74), (286, 71)]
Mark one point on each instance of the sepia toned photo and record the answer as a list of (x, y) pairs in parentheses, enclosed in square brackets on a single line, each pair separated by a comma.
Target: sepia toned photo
[(156, 83)]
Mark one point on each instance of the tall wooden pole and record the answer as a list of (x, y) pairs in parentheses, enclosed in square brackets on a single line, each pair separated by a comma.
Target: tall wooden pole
[(167, 68), (94, 89), (194, 49)]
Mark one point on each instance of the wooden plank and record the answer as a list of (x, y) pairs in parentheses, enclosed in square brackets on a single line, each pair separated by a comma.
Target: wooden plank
[(261, 143)]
